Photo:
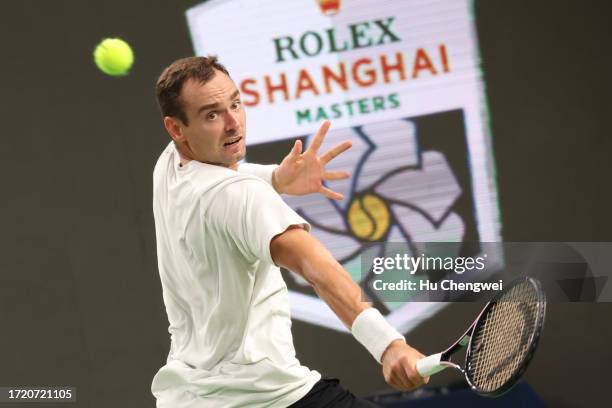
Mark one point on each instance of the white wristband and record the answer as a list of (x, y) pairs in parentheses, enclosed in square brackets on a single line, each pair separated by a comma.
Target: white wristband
[(373, 331)]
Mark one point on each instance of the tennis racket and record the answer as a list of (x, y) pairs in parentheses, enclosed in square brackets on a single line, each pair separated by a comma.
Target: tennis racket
[(500, 342)]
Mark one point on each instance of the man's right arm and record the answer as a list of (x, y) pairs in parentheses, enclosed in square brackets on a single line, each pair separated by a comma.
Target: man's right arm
[(299, 251)]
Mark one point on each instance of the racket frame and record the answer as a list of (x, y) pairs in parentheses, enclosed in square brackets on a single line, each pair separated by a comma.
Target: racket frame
[(437, 362), (533, 340)]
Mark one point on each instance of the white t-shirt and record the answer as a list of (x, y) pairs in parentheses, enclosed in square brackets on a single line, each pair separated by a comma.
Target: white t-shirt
[(227, 304)]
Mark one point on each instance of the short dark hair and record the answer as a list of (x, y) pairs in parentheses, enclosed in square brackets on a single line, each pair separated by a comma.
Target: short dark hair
[(170, 82)]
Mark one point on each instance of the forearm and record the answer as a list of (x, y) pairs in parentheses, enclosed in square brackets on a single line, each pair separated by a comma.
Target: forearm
[(298, 251), (334, 285)]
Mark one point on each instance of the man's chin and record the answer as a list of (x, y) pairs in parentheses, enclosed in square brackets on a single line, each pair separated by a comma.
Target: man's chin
[(237, 157), (242, 153)]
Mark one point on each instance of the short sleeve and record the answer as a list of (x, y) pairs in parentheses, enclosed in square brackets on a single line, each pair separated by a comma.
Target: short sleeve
[(263, 171), (251, 213)]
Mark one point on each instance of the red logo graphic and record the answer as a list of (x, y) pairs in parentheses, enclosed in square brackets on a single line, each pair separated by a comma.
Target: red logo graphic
[(329, 7)]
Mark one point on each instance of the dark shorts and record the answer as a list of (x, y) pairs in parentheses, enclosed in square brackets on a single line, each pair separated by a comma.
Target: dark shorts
[(328, 392)]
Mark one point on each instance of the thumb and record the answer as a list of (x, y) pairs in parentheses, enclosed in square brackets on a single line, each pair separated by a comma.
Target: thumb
[(297, 148)]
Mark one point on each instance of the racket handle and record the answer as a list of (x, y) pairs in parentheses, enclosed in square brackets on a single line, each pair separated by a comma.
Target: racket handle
[(430, 365)]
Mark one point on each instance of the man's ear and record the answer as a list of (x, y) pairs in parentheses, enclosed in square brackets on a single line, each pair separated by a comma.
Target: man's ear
[(174, 128)]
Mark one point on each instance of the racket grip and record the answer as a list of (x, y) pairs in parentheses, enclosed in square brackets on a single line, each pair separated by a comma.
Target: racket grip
[(429, 365)]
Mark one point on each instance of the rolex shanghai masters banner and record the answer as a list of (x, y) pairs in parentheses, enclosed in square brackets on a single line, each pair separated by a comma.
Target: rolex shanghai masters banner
[(402, 79)]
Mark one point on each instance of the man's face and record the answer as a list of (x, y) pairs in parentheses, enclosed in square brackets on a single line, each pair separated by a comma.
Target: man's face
[(217, 122)]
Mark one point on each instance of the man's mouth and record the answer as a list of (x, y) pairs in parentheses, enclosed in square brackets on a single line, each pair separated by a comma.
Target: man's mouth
[(232, 141)]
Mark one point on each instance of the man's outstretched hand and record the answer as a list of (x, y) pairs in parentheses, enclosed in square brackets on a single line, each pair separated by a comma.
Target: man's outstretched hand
[(399, 366), (303, 173)]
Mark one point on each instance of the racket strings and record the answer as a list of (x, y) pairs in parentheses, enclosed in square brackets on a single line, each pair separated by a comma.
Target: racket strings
[(503, 337)]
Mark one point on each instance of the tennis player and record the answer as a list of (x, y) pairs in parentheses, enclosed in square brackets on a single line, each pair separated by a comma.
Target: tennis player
[(222, 233)]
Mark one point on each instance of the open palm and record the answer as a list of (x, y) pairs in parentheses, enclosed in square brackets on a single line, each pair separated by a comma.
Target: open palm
[(304, 173)]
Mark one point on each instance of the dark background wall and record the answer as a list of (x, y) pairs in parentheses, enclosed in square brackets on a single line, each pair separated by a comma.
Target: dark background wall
[(80, 299)]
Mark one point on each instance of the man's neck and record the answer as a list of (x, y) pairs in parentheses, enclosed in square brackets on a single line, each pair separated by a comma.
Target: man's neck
[(184, 160)]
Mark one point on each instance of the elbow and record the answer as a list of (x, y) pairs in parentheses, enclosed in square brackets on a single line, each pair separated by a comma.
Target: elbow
[(297, 251), (300, 266)]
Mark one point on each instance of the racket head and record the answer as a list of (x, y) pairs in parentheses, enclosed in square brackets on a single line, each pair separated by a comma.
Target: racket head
[(504, 337)]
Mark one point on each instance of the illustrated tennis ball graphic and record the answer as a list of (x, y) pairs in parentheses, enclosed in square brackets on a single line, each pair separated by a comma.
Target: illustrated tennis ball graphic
[(114, 57), (368, 217)]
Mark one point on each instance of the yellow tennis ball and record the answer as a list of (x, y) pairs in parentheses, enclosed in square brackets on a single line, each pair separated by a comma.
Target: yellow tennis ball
[(114, 57), (369, 217)]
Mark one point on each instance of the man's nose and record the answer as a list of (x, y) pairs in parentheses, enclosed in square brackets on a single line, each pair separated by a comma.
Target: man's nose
[(231, 120)]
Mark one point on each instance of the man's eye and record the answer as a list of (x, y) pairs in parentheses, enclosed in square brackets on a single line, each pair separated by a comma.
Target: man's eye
[(236, 105), (211, 116)]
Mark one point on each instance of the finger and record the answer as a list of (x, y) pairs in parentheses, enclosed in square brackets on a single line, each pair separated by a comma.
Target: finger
[(397, 385), (417, 376), (336, 175), (335, 151), (403, 383), (396, 377), (330, 193), (392, 380), (318, 139), (297, 148), (409, 385), (414, 377)]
